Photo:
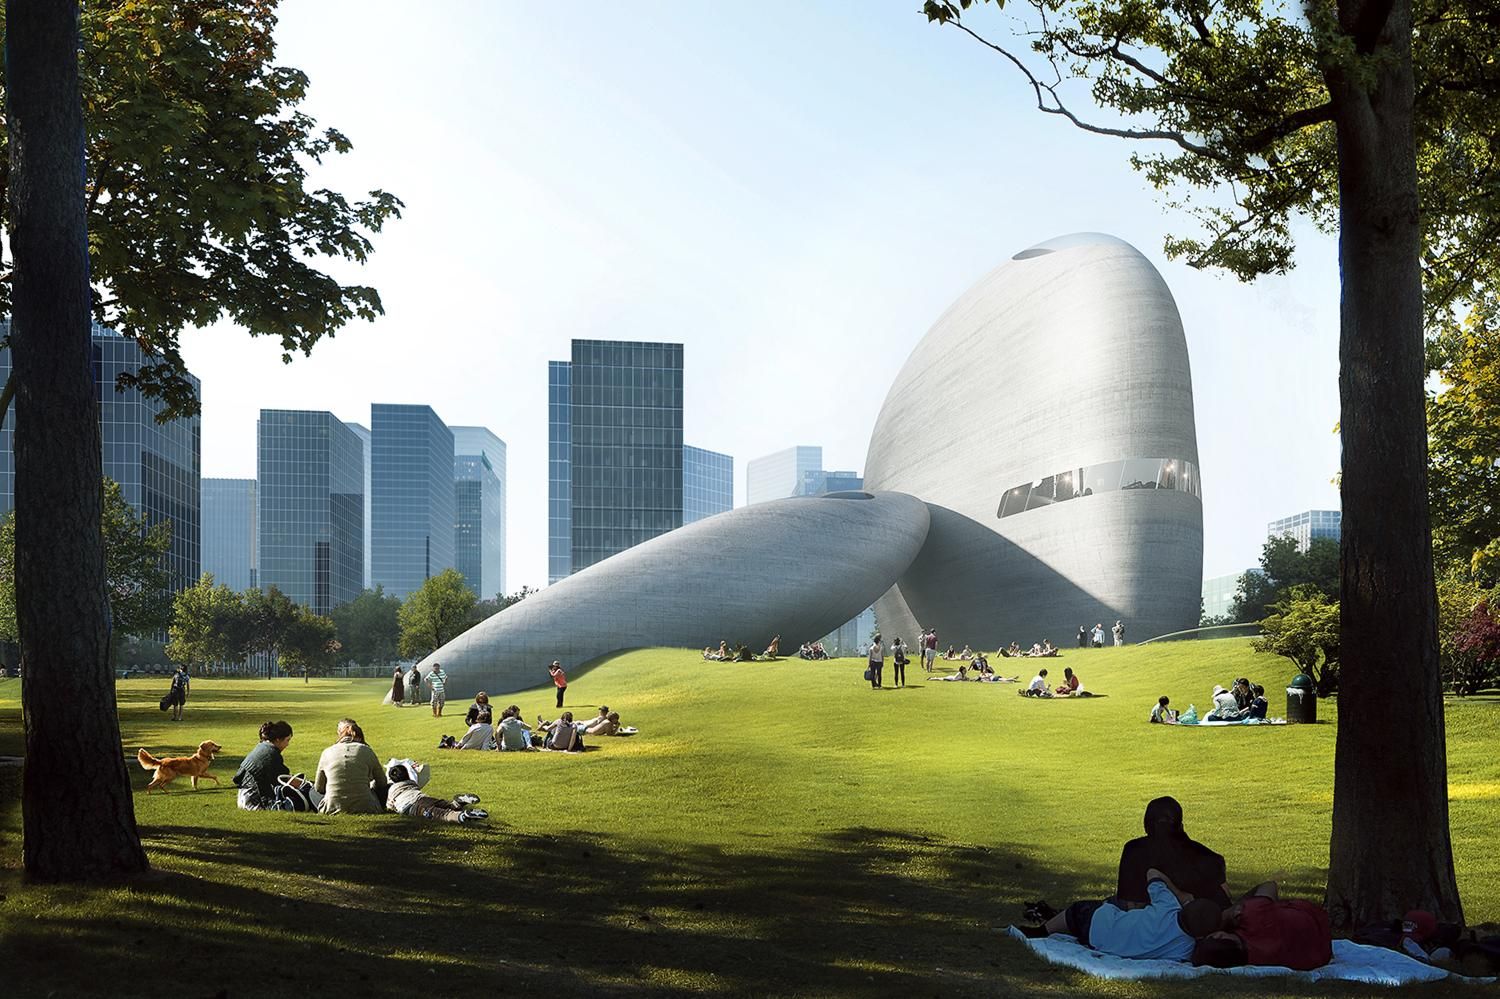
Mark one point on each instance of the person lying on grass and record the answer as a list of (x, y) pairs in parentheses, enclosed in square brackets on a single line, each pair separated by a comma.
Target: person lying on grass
[(607, 722), (1169, 928), (1263, 930), (405, 797)]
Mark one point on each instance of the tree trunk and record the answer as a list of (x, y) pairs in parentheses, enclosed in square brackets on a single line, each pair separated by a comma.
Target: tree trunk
[(78, 816), (1390, 848)]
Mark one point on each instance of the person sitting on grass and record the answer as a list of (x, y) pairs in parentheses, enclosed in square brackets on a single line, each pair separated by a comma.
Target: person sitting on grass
[(1168, 928), (1168, 848), (1225, 707), (1038, 686), (723, 653), (1263, 930), (1048, 649), (1260, 705), (350, 777), (480, 710), (966, 654), (1161, 714), (562, 734), (405, 797), (709, 654), (951, 653), (256, 777), (481, 735), (513, 733), (773, 651), (1070, 683)]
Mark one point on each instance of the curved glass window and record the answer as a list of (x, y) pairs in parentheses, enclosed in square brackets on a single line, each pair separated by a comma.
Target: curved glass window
[(1171, 474)]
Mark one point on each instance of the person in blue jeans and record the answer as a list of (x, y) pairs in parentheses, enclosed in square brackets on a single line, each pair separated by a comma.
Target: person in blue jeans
[(877, 662), (1168, 928)]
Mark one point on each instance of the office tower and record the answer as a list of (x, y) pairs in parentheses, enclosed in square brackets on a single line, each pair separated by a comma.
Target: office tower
[(1220, 594), (707, 483), (310, 491), (779, 475), (363, 434), (158, 465), (1307, 525), (411, 497), (479, 509), (230, 549), (821, 483), (623, 445)]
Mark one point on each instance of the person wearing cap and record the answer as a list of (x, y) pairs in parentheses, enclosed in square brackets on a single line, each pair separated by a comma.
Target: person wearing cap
[(1225, 708), (560, 679), (1263, 930), (1168, 848)]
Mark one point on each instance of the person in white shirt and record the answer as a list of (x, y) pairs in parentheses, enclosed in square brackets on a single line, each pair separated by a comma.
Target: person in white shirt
[(1161, 714), (1038, 686)]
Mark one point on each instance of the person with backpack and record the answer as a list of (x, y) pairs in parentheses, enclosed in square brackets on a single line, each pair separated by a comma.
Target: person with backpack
[(898, 662), (178, 695)]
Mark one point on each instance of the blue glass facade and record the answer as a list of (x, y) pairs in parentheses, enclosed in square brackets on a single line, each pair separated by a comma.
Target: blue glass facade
[(311, 478), (559, 478), (158, 465), (479, 509), (229, 543), (625, 457), (707, 483), (411, 497), (779, 475), (363, 434)]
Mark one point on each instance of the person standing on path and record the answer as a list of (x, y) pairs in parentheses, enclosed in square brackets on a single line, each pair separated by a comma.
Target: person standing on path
[(877, 662), (178, 695), (438, 681), (1119, 632), (560, 679)]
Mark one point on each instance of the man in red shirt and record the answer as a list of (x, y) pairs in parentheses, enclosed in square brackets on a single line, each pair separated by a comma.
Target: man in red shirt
[(1261, 929)]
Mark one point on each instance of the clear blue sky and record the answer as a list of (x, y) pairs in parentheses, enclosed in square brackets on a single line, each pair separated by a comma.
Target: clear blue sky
[(793, 190)]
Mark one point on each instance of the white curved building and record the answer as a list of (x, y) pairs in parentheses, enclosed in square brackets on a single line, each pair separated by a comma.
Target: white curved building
[(795, 567), (1047, 421)]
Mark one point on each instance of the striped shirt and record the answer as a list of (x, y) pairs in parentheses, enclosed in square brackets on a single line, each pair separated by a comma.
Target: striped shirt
[(437, 678)]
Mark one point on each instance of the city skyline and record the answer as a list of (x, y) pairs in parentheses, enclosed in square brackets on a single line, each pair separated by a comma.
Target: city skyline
[(795, 281)]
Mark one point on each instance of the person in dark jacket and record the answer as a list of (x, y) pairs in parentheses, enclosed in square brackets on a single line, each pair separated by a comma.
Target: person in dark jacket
[(480, 711), (178, 695), (256, 777), (1192, 866)]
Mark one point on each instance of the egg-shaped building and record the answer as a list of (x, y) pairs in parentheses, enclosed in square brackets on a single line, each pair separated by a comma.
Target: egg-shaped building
[(1047, 421), (794, 567)]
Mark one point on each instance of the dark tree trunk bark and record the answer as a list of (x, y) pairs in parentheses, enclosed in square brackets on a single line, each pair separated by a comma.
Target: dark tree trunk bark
[(78, 816), (1390, 848)]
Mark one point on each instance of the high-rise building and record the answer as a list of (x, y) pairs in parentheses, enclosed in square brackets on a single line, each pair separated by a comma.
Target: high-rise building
[(310, 491), (559, 477), (779, 475), (624, 450), (158, 465), (821, 483), (479, 509), (411, 497), (363, 434), (1220, 594), (707, 483), (230, 549), (1307, 525)]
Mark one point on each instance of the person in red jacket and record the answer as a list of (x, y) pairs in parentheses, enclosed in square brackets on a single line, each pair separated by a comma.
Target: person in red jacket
[(560, 678), (1263, 930)]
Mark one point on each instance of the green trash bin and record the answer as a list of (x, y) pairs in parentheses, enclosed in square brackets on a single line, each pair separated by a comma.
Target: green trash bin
[(1301, 699)]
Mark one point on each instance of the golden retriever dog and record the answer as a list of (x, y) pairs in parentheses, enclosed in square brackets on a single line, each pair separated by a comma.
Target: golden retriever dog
[(172, 767)]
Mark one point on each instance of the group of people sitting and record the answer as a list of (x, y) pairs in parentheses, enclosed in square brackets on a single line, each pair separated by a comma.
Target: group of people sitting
[(812, 650), (978, 668), (349, 779), (562, 734), (1244, 701), (1040, 686), (1037, 650), (1172, 902)]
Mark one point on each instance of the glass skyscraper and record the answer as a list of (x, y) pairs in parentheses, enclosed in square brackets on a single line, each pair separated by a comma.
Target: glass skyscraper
[(311, 479), (707, 483), (479, 509), (1307, 525), (230, 549), (624, 474), (158, 465), (559, 477), (779, 475), (411, 497), (363, 434)]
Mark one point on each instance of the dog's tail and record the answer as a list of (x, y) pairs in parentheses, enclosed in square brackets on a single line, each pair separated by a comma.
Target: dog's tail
[(148, 762)]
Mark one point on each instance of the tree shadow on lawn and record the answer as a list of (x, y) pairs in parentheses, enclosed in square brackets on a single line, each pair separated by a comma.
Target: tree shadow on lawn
[(309, 901)]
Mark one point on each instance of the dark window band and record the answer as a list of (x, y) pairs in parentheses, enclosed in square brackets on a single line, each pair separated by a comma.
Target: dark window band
[(1171, 474)]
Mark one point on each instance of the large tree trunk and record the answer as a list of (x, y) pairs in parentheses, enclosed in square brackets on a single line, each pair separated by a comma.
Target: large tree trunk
[(78, 817), (1390, 850)]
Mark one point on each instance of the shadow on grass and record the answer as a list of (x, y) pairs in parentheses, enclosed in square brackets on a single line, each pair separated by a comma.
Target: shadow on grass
[(388, 906)]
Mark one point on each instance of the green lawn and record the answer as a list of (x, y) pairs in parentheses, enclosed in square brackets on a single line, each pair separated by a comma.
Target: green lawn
[(775, 829)]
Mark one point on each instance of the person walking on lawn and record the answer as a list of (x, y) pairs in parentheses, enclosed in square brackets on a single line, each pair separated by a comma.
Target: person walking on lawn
[(438, 681), (560, 679)]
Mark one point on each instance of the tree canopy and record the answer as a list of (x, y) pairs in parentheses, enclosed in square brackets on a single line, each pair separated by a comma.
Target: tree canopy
[(435, 613), (1463, 424), (201, 204), (369, 627)]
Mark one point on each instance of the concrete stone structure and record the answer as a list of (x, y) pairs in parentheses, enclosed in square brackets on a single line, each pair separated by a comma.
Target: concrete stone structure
[(1064, 370), (1034, 469), (794, 567)]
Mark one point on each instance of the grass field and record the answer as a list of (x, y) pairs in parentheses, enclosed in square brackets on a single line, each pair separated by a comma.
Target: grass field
[(775, 829)]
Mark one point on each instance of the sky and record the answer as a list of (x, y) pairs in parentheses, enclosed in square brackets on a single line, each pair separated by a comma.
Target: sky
[(793, 190)]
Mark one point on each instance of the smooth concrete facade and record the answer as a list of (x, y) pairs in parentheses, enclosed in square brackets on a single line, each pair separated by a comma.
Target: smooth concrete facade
[(794, 567), (1068, 358)]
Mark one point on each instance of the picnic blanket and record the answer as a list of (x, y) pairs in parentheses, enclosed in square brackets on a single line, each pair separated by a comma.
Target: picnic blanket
[(1244, 721), (1352, 962)]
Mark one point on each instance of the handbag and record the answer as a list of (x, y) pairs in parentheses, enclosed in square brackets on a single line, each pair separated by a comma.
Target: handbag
[(870, 675)]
